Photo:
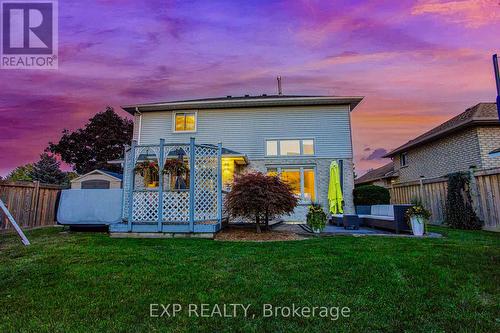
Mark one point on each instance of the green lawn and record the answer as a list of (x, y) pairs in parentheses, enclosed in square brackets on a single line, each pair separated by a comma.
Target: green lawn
[(82, 282)]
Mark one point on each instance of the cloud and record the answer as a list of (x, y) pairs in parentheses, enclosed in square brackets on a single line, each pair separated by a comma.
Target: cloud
[(377, 154), (472, 13)]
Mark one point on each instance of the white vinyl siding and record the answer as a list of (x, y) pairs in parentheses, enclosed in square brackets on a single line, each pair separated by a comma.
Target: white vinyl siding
[(246, 130)]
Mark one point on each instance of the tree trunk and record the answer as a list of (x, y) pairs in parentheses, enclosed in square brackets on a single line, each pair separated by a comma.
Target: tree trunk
[(257, 222), (267, 219)]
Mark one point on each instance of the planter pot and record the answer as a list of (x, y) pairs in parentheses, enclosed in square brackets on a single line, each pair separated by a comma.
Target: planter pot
[(417, 225), (316, 231)]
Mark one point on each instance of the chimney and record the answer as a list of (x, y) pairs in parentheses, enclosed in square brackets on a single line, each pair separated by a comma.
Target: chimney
[(280, 91)]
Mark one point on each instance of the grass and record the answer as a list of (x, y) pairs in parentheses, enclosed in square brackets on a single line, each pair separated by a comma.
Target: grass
[(82, 282)]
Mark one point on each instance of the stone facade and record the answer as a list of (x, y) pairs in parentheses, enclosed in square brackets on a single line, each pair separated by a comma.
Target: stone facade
[(455, 152), (322, 177)]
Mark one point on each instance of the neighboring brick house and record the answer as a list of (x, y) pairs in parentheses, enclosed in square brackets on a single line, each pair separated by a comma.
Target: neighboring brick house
[(383, 176), (464, 141)]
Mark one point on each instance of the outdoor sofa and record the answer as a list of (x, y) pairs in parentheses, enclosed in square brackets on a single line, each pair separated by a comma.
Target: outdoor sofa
[(391, 217)]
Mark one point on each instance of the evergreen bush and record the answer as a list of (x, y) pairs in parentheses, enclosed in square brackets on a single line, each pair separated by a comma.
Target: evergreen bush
[(459, 211), (371, 195)]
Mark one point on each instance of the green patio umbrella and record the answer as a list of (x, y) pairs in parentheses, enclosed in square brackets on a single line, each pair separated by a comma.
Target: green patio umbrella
[(334, 189)]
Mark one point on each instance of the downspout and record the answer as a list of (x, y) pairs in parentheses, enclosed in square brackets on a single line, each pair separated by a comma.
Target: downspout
[(140, 125)]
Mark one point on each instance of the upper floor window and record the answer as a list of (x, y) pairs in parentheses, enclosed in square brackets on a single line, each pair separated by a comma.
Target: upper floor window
[(403, 159), (184, 121), (289, 147)]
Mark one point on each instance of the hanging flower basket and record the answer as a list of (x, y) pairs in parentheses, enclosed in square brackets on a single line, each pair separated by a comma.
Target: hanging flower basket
[(146, 169), (175, 167)]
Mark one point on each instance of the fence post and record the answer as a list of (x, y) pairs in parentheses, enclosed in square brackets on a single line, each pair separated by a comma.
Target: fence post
[(474, 191), (131, 172), (34, 203), (421, 192), (219, 182), (161, 160), (192, 182)]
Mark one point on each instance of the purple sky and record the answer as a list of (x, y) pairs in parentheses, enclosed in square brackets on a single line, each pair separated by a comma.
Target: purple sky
[(417, 62)]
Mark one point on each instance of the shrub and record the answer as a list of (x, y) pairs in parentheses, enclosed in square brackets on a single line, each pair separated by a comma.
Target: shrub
[(459, 211), (371, 195), (260, 197), (316, 217)]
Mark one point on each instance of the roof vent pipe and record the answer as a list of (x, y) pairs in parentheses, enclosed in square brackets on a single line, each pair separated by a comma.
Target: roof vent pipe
[(280, 91)]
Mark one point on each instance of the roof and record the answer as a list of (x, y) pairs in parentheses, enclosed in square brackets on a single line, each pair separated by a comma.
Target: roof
[(245, 101), (112, 174), (385, 171), (118, 176), (480, 114)]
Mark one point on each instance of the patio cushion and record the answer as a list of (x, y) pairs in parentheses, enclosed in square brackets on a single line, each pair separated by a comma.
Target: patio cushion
[(383, 210), (378, 217)]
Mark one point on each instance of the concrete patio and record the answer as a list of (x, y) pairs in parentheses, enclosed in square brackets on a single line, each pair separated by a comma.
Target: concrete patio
[(332, 230)]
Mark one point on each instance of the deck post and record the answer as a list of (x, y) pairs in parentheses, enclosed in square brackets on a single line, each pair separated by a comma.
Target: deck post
[(192, 163), (131, 167), (161, 162), (219, 182)]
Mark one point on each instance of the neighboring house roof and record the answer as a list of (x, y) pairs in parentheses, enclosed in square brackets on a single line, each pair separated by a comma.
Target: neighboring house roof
[(117, 176), (385, 171), (245, 101), (480, 114)]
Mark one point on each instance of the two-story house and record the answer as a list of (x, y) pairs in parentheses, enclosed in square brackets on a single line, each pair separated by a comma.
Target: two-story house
[(296, 137)]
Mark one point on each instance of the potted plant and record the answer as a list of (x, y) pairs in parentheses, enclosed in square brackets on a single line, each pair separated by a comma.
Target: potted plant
[(147, 169), (176, 168), (316, 218), (418, 216)]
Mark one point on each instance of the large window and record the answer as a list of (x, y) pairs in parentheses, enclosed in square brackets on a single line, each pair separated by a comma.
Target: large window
[(184, 121), (301, 179), (289, 147)]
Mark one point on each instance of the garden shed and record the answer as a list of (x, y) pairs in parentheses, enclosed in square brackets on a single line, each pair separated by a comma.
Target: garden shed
[(97, 179)]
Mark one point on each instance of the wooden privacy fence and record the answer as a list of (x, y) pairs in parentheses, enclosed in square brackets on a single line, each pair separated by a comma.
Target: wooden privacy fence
[(31, 204), (485, 192)]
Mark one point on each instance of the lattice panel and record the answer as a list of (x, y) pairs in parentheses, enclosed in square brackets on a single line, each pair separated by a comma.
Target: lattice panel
[(169, 148), (205, 195), (127, 182), (145, 206), (176, 206), (146, 150)]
